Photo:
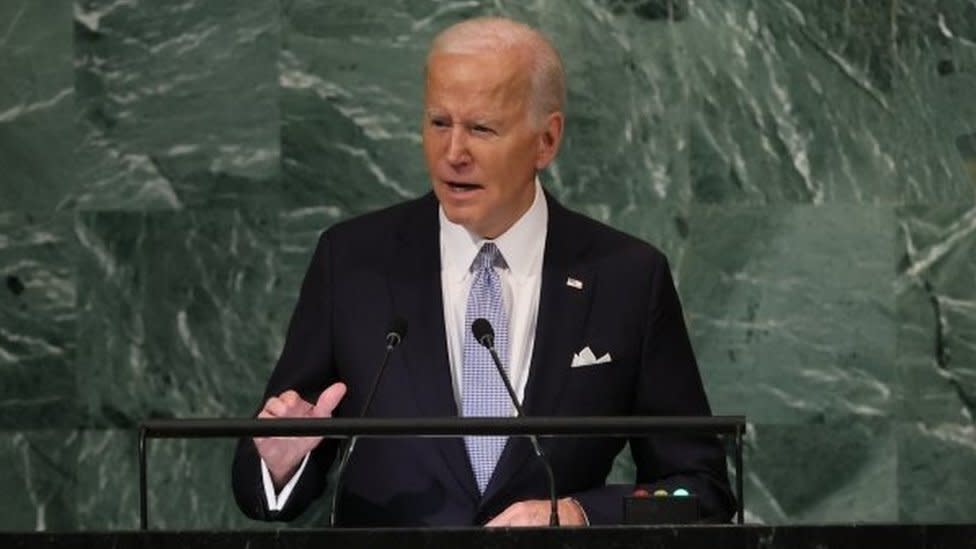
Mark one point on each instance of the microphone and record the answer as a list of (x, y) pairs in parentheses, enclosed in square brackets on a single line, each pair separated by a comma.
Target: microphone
[(394, 336), (485, 335)]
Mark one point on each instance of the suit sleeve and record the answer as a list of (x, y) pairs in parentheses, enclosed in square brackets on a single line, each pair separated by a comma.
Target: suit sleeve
[(669, 384), (306, 366)]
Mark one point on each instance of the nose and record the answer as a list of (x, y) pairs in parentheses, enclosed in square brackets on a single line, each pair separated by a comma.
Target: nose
[(457, 148)]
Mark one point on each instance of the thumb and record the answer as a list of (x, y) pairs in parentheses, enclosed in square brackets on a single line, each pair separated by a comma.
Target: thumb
[(329, 399)]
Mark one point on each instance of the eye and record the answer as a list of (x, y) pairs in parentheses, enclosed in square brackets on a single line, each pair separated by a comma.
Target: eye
[(482, 129), (439, 122)]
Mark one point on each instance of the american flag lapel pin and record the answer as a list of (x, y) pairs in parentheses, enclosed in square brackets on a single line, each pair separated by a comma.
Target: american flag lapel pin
[(574, 283)]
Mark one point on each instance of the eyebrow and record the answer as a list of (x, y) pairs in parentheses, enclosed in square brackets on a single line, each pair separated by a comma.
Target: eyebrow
[(486, 120)]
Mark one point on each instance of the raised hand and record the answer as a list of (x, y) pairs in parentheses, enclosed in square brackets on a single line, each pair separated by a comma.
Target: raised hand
[(283, 455)]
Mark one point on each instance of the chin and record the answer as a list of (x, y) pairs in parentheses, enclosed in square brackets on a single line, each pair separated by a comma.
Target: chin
[(460, 217)]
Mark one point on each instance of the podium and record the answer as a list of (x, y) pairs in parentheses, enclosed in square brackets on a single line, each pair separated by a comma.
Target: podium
[(731, 426), (678, 537)]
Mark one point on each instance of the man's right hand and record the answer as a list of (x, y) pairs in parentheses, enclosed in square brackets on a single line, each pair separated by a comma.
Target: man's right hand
[(283, 455)]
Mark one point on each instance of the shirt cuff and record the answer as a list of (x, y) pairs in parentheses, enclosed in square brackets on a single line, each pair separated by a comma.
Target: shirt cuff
[(277, 502)]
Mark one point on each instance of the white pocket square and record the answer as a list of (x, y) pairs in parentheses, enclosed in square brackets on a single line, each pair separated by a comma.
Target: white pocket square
[(587, 358)]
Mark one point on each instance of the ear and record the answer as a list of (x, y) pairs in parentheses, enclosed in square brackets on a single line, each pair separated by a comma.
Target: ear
[(549, 139)]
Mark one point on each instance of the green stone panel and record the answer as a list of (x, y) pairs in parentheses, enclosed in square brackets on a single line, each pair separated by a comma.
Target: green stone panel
[(296, 235), (184, 313), (177, 103), (810, 102), (179, 313), (791, 310), (967, 148), (37, 322), (936, 299), (36, 105), (845, 471), (626, 139), (351, 103), (936, 471), (38, 478), (663, 225), (188, 485)]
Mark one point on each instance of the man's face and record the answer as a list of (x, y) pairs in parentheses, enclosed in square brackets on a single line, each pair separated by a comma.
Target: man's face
[(480, 143)]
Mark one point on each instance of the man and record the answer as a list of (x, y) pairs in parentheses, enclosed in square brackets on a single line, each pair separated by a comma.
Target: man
[(587, 323)]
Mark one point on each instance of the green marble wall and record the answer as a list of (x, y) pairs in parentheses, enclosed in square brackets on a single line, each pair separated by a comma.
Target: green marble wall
[(808, 165)]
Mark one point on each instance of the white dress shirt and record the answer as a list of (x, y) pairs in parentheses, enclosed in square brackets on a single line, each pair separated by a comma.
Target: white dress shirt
[(522, 246)]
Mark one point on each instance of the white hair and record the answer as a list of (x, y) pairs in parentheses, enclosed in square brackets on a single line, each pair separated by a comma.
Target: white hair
[(492, 34)]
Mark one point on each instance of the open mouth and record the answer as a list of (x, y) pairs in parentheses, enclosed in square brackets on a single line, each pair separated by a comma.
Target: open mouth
[(462, 187)]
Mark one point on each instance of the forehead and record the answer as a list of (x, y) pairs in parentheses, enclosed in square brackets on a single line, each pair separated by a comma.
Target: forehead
[(497, 80)]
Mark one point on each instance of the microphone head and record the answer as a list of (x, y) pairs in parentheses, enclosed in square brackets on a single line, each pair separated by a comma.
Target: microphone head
[(483, 332), (397, 331)]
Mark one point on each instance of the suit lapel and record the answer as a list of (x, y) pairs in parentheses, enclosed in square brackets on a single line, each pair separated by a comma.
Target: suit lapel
[(563, 308), (415, 287)]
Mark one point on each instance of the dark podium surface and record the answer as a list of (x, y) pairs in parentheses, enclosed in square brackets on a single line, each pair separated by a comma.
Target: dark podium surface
[(724, 536)]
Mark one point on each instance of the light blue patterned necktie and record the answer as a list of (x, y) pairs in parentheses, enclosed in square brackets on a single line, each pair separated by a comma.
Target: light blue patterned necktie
[(483, 393)]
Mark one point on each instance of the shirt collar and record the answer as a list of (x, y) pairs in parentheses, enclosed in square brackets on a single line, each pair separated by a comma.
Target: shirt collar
[(520, 245)]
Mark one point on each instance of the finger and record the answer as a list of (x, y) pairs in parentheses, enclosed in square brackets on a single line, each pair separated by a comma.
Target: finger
[(287, 404), (504, 518), (523, 513), (329, 399), (290, 398), (275, 407), (497, 522)]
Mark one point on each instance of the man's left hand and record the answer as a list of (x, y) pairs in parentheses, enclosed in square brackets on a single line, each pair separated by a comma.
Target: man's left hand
[(535, 512)]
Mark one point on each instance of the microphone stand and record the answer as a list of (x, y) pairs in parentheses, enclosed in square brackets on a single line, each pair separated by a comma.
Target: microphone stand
[(488, 341), (392, 340)]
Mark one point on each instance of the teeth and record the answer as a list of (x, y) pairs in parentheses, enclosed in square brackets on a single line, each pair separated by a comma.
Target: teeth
[(463, 186)]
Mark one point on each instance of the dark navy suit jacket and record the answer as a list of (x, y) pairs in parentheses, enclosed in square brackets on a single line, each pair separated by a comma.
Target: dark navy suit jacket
[(369, 269)]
